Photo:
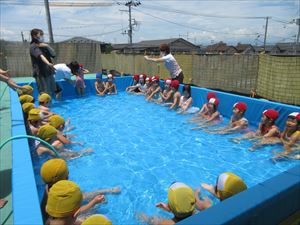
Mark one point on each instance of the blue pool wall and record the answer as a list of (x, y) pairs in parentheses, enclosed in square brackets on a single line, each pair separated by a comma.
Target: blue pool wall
[(269, 202), (26, 206)]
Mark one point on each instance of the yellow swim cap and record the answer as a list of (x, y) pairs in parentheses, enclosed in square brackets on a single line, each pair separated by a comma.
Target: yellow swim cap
[(181, 200), (97, 219), (45, 98), (46, 132), (64, 199), (34, 114), (25, 98), (54, 170), (28, 91), (56, 121), (229, 184), (27, 107)]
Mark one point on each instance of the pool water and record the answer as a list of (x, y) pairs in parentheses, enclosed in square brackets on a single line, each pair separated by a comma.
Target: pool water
[(142, 148)]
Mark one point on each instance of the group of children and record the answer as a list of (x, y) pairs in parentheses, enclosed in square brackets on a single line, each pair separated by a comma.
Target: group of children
[(208, 117), (62, 202), (169, 96)]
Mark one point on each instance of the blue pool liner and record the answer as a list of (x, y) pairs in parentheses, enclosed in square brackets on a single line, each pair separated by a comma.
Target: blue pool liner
[(269, 202)]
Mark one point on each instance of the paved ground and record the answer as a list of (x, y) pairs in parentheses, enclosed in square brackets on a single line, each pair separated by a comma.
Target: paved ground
[(6, 213)]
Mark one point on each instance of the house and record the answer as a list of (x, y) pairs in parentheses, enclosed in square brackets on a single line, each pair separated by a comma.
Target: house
[(220, 48), (105, 47), (290, 48), (245, 49), (152, 46)]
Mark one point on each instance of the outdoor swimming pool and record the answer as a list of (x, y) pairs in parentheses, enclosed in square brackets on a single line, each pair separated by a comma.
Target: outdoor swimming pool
[(142, 148)]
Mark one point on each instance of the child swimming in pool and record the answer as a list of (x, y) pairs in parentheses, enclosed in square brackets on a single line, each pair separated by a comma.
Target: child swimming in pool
[(99, 85), (155, 90), (290, 138), (237, 122), (148, 84), (199, 116), (167, 94), (228, 185), (186, 100), (267, 132), (35, 120), (49, 134), (133, 88), (58, 123), (64, 203), (176, 94), (181, 203), (211, 117), (54, 170), (110, 87)]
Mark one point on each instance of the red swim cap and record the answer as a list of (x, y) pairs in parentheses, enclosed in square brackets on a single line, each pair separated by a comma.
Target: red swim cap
[(136, 77), (214, 101), (240, 106), (175, 84), (271, 113), (295, 115), (211, 95)]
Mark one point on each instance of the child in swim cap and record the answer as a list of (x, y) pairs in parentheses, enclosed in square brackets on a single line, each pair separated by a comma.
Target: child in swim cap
[(237, 123), (99, 85), (110, 87), (212, 116), (176, 94), (204, 108), (290, 138), (154, 90), (181, 203), (227, 185)]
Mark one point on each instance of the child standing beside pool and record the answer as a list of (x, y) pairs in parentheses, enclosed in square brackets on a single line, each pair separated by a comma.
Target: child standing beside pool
[(80, 84)]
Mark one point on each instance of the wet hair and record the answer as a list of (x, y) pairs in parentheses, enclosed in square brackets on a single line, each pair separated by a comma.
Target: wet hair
[(74, 66), (187, 88), (165, 48)]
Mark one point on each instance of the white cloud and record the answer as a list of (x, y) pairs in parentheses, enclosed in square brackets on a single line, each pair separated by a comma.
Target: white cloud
[(73, 21)]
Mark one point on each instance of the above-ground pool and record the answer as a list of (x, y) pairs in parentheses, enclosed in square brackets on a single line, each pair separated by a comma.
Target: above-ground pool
[(142, 148)]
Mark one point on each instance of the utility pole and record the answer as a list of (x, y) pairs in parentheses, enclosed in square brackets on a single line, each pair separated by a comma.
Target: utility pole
[(266, 30), (298, 35), (23, 40), (49, 21), (129, 4)]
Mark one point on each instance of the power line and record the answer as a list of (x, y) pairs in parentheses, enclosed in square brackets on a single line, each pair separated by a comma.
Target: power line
[(203, 15), (187, 26)]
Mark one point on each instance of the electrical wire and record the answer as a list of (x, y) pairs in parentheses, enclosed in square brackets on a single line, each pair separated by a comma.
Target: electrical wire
[(186, 26)]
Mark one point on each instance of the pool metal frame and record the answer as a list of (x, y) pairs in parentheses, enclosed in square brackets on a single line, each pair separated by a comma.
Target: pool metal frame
[(269, 202)]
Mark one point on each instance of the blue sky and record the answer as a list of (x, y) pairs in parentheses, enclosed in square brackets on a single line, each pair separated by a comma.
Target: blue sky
[(198, 21)]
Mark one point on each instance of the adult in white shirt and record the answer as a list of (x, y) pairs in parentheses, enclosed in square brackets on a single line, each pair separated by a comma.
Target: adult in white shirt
[(170, 62), (64, 72)]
